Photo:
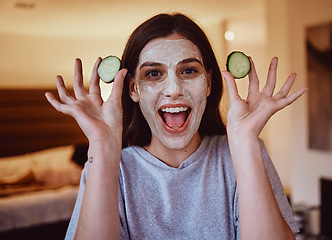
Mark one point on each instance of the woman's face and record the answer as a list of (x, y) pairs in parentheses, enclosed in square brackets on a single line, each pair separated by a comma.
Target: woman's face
[(171, 87)]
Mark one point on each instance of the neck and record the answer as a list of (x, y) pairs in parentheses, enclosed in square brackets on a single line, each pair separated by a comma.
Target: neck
[(173, 157)]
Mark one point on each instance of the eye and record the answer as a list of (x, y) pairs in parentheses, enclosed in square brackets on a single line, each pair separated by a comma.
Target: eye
[(153, 75), (189, 71)]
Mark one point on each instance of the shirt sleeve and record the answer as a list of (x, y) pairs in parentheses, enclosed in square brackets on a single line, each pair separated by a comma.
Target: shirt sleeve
[(278, 191), (77, 209), (122, 209), (236, 217)]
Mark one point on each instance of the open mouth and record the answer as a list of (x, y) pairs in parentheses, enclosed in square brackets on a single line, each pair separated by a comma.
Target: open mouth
[(175, 117)]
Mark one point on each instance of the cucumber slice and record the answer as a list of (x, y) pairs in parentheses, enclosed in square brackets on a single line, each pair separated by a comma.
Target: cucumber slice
[(108, 67), (238, 64)]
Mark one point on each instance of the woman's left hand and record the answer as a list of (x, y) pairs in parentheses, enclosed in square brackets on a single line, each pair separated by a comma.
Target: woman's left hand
[(251, 115)]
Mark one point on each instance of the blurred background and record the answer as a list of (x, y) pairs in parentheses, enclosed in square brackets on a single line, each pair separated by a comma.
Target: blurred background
[(40, 39)]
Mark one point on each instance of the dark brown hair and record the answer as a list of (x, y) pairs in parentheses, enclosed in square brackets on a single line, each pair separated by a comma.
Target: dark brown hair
[(136, 130)]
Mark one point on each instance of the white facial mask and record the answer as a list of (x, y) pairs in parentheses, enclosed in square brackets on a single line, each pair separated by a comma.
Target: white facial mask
[(172, 89), (170, 52)]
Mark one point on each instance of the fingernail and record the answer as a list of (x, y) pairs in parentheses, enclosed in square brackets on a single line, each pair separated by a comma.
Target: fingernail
[(124, 73)]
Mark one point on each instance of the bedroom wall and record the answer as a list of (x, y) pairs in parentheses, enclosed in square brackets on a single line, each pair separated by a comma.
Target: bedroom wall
[(309, 165), (33, 61), (286, 24)]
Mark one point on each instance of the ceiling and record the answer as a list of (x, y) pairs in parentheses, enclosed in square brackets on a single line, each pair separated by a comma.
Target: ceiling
[(105, 19)]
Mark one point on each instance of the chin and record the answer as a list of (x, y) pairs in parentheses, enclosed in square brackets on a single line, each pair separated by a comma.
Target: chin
[(177, 142)]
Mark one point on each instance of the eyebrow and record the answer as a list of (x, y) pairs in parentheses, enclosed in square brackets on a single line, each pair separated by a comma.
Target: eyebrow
[(156, 64), (190, 60), (150, 64)]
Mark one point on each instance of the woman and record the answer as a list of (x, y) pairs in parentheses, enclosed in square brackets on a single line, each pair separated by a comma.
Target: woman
[(181, 177)]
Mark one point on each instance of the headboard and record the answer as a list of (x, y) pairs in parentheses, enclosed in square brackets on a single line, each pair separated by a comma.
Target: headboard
[(29, 123)]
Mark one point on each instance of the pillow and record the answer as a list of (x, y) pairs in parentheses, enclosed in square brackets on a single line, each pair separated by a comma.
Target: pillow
[(54, 166), (16, 170)]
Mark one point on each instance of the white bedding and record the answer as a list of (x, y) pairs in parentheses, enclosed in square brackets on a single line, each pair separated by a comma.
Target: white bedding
[(35, 208), (38, 188), (50, 167)]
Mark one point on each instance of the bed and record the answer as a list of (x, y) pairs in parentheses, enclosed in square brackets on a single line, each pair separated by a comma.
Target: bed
[(41, 156)]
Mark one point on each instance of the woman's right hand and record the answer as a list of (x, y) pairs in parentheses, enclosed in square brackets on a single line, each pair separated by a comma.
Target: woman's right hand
[(98, 120)]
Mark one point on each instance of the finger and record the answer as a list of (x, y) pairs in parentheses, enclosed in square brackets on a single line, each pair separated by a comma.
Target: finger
[(271, 77), (291, 98), (285, 89), (117, 89), (231, 86), (253, 78), (62, 91), (78, 80), (94, 87), (55, 103), (52, 100)]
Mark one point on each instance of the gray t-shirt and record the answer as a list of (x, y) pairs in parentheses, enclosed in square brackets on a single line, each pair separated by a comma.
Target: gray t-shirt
[(197, 200)]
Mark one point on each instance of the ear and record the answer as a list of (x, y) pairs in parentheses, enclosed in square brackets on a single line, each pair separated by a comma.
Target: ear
[(209, 82), (133, 90)]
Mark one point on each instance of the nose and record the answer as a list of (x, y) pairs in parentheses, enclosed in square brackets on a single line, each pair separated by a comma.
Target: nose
[(173, 87)]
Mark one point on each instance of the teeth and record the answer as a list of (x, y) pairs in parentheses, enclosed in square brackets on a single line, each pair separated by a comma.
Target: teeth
[(174, 110)]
